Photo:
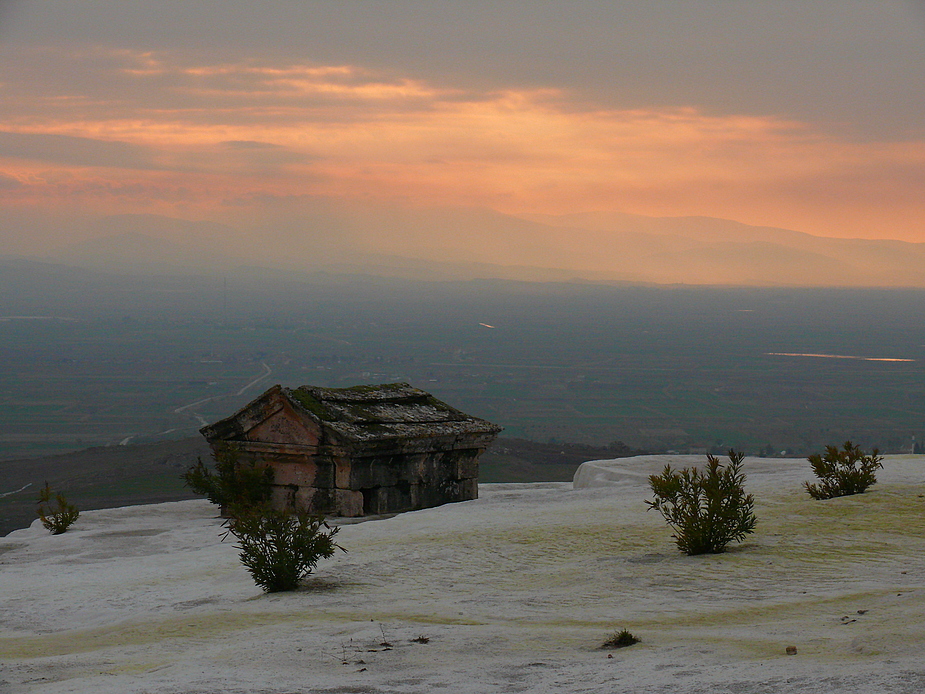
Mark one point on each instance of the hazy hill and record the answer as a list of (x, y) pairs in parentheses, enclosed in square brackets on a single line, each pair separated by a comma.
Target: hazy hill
[(706, 250), (468, 243), (132, 252)]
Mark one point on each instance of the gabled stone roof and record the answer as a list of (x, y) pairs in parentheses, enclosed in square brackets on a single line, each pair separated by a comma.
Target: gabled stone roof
[(361, 415), (388, 411)]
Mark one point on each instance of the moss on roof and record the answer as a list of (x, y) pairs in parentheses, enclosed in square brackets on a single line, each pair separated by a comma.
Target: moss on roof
[(310, 403), (390, 410)]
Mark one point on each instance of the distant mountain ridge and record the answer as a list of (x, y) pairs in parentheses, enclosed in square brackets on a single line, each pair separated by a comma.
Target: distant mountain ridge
[(475, 243)]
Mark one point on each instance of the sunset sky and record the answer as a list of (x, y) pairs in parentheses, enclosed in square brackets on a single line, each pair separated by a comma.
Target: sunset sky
[(803, 115)]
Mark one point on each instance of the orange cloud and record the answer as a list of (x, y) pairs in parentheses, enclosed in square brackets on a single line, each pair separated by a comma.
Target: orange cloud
[(162, 125)]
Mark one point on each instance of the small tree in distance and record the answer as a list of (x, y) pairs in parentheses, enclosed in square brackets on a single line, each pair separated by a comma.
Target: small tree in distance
[(843, 472), (707, 509), (56, 519)]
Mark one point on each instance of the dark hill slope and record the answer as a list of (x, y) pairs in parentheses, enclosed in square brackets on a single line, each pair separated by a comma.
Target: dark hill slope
[(100, 477), (112, 476)]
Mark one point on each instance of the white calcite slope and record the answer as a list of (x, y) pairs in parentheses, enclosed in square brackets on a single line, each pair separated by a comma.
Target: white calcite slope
[(512, 592)]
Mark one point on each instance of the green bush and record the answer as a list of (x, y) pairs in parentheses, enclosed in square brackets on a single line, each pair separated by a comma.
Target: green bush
[(232, 485), (843, 472), (707, 509), (278, 548), (56, 519)]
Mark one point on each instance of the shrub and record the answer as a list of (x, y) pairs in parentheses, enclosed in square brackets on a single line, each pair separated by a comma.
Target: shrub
[(843, 472), (279, 549), (620, 639), (232, 485), (707, 509), (58, 519)]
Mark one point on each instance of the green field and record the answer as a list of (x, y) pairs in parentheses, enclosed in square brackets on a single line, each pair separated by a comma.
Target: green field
[(658, 368)]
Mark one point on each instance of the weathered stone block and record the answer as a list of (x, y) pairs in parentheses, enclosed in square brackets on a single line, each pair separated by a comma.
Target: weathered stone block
[(394, 499), (366, 473), (302, 474), (467, 464), (468, 489), (330, 502)]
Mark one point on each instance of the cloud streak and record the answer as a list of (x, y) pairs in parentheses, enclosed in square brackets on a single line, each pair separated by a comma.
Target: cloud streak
[(75, 151), (168, 132)]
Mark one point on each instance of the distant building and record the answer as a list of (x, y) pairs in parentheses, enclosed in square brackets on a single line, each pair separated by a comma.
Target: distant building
[(358, 451)]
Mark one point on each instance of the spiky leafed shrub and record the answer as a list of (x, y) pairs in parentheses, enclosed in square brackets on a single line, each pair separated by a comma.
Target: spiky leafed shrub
[(843, 472), (279, 549), (232, 485), (58, 518), (707, 509)]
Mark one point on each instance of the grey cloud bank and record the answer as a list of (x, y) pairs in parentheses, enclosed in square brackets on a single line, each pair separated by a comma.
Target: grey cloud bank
[(858, 64)]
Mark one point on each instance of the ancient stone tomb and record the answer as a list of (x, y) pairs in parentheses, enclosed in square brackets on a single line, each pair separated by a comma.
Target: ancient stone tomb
[(357, 451)]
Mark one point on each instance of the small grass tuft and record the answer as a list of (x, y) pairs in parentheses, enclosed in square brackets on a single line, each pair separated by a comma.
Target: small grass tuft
[(620, 639)]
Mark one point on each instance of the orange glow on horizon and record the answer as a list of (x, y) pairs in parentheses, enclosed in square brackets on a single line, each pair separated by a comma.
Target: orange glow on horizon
[(219, 136)]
